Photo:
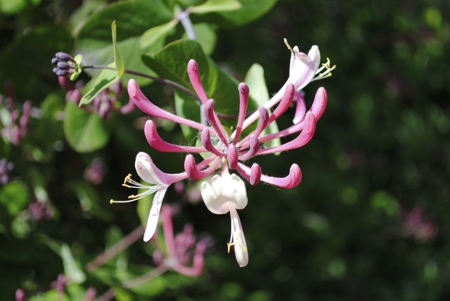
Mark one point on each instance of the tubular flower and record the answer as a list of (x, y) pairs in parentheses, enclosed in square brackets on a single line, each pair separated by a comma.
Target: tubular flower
[(227, 193), (223, 151)]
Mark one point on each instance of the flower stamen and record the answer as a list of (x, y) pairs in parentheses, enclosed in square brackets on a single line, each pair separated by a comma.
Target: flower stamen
[(132, 198), (326, 73)]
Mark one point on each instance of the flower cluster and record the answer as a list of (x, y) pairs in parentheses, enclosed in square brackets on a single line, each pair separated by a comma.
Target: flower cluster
[(13, 125), (226, 191)]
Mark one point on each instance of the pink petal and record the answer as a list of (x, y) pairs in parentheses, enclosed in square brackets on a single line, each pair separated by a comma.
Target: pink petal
[(262, 124), (232, 156), (320, 103), (284, 104), (300, 109), (212, 118), (149, 108), (206, 141), (194, 76), (159, 144), (193, 170), (290, 181), (304, 137), (254, 148), (243, 104)]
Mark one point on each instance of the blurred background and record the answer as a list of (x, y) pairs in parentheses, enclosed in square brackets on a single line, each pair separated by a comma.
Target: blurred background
[(368, 222)]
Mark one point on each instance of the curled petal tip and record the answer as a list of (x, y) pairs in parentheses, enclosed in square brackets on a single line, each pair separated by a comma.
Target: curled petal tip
[(320, 103), (232, 156), (243, 88), (255, 174)]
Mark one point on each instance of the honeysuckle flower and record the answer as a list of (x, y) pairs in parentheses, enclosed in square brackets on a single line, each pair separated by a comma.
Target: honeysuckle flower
[(231, 150), (227, 193), (303, 69), (160, 182)]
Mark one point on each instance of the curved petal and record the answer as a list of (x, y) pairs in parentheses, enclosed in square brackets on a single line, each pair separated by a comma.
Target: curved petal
[(193, 170), (149, 108), (300, 109), (153, 216), (232, 156), (320, 103), (290, 181), (206, 141), (254, 148), (148, 172), (244, 92), (194, 76), (159, 144), (230, 188), (302, 139), (212, 118)]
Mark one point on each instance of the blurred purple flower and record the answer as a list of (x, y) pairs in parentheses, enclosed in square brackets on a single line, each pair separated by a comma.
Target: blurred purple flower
[(95, 172), (5, 168), (418, 225)]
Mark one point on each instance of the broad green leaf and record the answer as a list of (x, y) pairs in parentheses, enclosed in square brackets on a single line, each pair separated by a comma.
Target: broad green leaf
[(72, 268), (105, 79), (171, 63), (135, 17), (250, 11), (216, 6), (149, 37), (51, 295), (117, 56), (188, 108), (85, 132), (14, 197), (258, 91)]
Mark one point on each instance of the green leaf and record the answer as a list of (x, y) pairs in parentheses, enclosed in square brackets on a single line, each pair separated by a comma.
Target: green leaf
[(258, 91), (171, 63), (51, 295), (105, 79), (14, 196), (72, 268), (117, 56), (78, 58), (250, 11), (385, 201), (135, 17), (85, 132), (216, 6), (149, 37)]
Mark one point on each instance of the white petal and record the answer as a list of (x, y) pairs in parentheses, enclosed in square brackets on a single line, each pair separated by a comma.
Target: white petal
[(240, 245), (230, 188), (215, 205), (314, 54), (153, 215), (145, 170)]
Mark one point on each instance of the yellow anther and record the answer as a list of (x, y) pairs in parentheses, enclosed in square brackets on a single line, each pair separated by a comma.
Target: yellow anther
[(229, 245), (111, 201), (127, 179)]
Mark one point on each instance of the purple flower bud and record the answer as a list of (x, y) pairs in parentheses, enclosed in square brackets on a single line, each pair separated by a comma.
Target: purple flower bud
[(95, 172), (63, 66), (62, 72), (105, 109), (64, 56), (55, 61)]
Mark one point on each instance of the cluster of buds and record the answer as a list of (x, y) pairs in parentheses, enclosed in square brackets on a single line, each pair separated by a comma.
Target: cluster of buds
[(181, 250), (14, 126), (40, 210), (226, 192), (65, 65)]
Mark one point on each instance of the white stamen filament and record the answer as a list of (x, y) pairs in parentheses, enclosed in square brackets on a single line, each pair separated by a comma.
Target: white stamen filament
[(136, 185)]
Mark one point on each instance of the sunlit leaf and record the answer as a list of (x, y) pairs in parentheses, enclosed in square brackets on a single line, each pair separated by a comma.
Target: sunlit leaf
[(117, 56), (149, 37), (105, 79), (14, 196), (216, 6)]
